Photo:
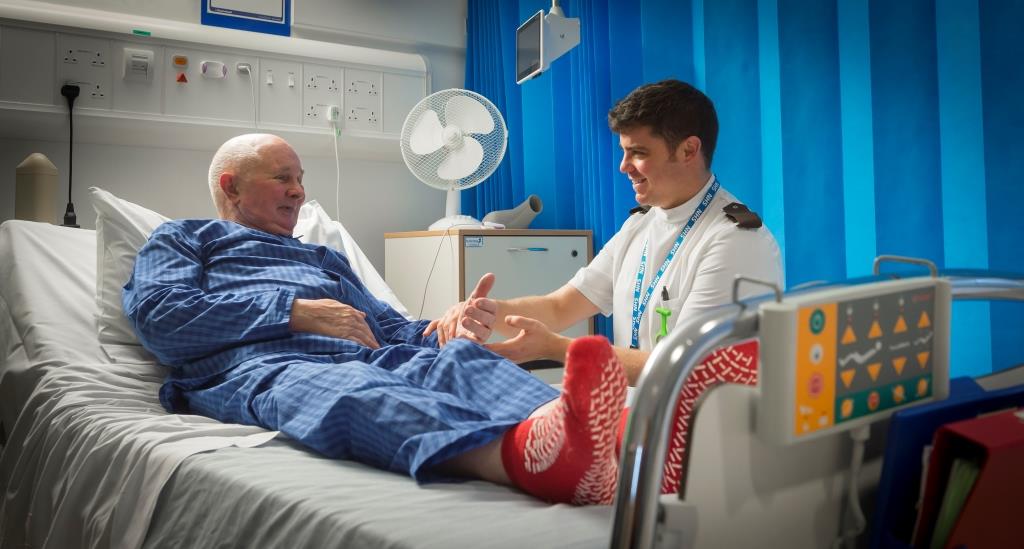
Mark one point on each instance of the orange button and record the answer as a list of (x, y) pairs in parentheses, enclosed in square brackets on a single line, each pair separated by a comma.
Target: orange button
[(179, 61)]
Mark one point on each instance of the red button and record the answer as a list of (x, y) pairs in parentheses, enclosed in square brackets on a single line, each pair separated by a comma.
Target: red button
[(181, 78), (815, 385)]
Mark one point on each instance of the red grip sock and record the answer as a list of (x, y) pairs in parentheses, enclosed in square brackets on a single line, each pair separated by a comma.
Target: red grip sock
[(733, 364), (568, 455)]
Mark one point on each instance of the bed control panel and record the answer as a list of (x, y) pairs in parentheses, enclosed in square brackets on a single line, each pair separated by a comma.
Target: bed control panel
[(834, 360)]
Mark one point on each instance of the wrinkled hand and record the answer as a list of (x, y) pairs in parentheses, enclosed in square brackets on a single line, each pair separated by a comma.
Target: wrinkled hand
[(534, 341), (332, 318), (472, 319)]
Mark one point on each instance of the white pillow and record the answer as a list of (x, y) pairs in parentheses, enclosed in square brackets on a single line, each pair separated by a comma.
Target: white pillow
[(122, 228), (316, 227)]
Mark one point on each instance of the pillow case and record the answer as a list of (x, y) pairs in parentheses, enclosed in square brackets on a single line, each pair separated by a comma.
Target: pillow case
[(122, 228)]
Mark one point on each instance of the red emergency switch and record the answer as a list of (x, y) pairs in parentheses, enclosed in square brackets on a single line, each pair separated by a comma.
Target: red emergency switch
[(182, 78)]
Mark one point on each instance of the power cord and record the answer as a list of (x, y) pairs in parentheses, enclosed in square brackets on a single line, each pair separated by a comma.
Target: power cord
[(860, 436), (70, 92), (334, 118), (247, 69), (445, 236)]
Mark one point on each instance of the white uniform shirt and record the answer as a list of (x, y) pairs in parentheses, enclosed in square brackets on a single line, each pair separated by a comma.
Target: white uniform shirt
[(700, 277)]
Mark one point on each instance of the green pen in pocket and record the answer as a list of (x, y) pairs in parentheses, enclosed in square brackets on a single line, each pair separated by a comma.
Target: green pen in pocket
[(664, 314)]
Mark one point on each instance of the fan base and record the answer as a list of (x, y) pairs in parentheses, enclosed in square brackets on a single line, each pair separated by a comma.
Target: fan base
[(455, 222)]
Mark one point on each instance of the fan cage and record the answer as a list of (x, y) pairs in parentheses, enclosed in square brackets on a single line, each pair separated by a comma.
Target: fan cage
[(424, 166)]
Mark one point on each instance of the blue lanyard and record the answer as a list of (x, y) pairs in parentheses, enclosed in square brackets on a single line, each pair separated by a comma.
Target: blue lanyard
[(639, 306)]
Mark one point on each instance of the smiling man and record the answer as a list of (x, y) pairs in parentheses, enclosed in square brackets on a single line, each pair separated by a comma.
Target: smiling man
[(679, 250)]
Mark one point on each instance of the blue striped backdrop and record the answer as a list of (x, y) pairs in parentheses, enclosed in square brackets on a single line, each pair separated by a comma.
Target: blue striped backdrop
[(856, 128)]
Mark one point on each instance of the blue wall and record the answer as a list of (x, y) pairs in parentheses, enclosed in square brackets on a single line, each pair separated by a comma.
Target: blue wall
[(856, 128)]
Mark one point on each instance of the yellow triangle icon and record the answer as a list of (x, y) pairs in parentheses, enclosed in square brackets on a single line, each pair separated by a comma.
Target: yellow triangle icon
[(876, 331), (873, 370), (901, 325), (848, 336), (847, 376), (924, 321), (898, 363), (922, 358)]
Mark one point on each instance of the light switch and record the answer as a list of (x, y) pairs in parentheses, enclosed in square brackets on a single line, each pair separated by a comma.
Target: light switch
[(291, 80), (270, 78), (138, 65)]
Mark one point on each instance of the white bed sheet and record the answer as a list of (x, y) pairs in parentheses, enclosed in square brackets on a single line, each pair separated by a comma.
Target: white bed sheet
[(94, 450), (88, 446), (280, 495), (46, 307)]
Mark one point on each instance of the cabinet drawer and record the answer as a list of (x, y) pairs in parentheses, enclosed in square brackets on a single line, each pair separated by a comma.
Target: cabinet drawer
[(524, 265)]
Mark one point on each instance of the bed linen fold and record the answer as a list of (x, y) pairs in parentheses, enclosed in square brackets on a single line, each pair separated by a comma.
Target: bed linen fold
[(85, 467)]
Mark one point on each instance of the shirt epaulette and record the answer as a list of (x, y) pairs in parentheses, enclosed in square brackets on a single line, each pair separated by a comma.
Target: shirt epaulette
[(742, 216), (640, 210)]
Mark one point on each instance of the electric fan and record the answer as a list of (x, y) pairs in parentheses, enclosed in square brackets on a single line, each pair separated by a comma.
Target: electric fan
[(452, 140)]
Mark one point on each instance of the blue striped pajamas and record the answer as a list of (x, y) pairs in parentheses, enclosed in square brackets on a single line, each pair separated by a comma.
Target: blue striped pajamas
[(212, 299)]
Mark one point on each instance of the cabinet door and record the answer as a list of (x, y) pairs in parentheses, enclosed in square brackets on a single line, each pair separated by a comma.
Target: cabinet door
[(525, 265)]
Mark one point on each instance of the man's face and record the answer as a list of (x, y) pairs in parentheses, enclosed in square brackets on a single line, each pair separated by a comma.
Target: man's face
[(657, 175), (271, 193)]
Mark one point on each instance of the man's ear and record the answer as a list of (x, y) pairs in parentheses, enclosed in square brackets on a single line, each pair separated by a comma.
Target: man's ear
[(690, 148), (228, 184)]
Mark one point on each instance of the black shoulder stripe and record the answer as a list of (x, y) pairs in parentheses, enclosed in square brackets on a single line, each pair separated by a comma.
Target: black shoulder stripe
[(742, 216)]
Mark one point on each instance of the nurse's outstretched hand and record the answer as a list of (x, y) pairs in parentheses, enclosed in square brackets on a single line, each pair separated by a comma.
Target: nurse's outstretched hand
[(471, 319), (535, 341), (332, 318)]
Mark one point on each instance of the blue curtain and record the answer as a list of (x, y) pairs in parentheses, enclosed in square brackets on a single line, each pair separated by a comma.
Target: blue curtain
[(856, 128)]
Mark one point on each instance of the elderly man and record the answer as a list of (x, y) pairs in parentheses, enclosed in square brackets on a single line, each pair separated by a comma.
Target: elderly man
[(259, 328)]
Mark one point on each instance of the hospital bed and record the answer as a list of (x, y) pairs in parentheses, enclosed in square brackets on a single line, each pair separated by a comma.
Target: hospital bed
[(90, 458)]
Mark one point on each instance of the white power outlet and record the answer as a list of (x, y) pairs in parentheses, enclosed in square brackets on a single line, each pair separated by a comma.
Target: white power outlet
[(362, 100), (83, 61), (320, 92)]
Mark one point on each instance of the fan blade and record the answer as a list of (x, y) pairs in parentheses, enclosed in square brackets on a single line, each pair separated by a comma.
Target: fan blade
[(462, 161), (425, 137), (468, 114)]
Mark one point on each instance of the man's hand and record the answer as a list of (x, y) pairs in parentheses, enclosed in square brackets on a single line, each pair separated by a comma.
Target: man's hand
[(534, 341), (472, 319), (332, 318)]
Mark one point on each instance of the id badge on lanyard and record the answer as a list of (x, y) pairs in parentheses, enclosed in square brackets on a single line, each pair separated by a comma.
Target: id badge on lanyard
[(640, 303)]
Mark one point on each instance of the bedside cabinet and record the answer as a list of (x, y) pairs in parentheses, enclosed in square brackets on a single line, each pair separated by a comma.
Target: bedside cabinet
[(430, 271)]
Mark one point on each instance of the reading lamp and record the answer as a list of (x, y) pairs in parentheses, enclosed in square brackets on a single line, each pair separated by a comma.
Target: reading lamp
[(70, 92)]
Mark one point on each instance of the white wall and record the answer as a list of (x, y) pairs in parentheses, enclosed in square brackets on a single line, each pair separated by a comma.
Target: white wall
[(378, 196)]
